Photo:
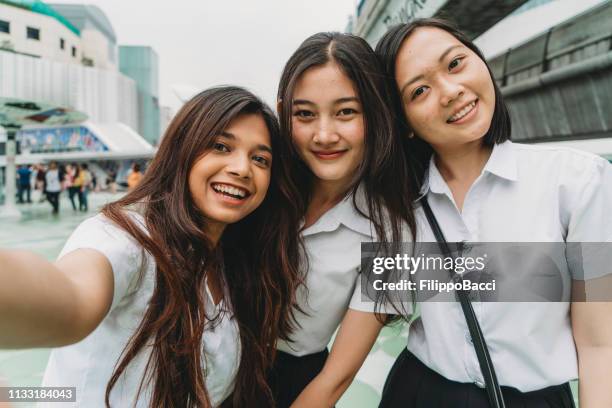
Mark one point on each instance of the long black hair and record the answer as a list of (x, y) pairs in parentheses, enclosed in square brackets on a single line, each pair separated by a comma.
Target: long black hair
[(387, 49), (384, 174)]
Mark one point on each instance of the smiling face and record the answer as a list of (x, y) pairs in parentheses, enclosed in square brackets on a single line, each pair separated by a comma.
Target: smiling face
[(446, 89), (327, 124), (230, 180)]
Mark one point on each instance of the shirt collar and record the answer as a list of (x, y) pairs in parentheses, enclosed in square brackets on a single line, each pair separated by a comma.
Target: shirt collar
[(502, 163), (346, 214)]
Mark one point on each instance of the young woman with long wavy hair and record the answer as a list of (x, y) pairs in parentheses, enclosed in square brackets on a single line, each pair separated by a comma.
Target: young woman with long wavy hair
[(175, 295)]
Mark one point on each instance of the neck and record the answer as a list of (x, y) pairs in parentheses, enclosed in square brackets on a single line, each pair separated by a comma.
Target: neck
[(328, 192), (462, 163), (325, 195), (214, 230)]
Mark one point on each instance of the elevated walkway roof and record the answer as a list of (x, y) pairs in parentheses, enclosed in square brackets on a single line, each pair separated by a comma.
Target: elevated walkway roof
[(122, 142), (39, 7), (529, 24)]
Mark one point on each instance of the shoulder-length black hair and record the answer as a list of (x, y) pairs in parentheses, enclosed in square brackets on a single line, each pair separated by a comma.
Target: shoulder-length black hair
[(387, 49), (256, 261), (384, 174)]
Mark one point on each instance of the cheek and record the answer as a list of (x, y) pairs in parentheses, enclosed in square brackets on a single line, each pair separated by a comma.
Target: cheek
[(196, 188), (421, 117), (485, 83), (199, 174), (263, 183), (354, 132), (299, 136)]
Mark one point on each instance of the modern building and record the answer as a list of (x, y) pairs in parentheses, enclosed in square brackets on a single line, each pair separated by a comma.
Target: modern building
[(141, 63), (98, 38), (35, 29), (37, 64)]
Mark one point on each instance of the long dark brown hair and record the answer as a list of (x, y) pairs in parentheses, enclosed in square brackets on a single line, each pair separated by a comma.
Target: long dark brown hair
[(384, 173), (255, 261), (387, 49)]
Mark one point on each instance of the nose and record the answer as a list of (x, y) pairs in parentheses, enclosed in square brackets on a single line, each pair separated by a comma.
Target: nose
[(326, 134), (239, 166), (450, 91)]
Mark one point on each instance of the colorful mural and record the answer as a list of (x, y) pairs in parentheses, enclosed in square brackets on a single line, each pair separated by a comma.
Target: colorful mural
[(62, 139)]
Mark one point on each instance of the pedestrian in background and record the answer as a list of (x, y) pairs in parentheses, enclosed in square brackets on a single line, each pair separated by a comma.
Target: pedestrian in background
[(40, 182), (24, 174), (53, 186), (135, 176), (83, 181), (72, 172), (111, 181)]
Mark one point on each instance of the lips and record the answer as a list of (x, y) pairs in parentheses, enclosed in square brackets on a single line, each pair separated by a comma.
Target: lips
[(328, 154), (463, 112)]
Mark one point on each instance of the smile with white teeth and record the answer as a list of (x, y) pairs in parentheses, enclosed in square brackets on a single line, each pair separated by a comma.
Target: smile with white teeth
[(468, 108), (231, 191)]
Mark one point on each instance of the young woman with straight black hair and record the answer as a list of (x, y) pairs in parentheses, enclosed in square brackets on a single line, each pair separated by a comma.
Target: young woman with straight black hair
[(342, 157), (481, 187), (175, 295)]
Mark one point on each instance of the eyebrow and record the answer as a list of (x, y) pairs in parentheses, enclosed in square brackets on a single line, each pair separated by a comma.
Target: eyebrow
[(336, 102), (231, 136), (419, 77)]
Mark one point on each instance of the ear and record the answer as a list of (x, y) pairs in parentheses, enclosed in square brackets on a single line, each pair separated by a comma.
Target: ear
[(279, 106)]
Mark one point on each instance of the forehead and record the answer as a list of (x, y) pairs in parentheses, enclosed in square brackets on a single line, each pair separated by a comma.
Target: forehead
[(422, 50), (249, 129), (323, 83)]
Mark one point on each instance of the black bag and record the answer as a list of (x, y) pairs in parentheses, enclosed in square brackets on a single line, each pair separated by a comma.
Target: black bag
[(482, 352)]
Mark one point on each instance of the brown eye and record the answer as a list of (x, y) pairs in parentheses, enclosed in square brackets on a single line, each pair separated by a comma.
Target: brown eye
[(220, 147), (303, 114), (454, 63), (419, 91), (347, 111), (262, 161)]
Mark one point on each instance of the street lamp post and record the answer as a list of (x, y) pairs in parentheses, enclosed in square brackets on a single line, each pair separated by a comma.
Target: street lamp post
[(9, 210)]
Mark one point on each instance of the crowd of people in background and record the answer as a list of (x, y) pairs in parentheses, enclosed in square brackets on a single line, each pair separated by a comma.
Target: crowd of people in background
[(50, 180), (76, 179)]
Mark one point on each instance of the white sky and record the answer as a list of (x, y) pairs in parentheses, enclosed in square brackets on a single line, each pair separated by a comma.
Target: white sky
[(202, 43)]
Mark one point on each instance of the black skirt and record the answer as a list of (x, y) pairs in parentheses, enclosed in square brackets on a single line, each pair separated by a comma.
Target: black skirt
[(411, 384), (290, 375)]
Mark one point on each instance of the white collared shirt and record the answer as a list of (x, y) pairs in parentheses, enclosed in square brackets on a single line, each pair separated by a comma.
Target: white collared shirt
[(333, 248), (525, 193), (89, 364)]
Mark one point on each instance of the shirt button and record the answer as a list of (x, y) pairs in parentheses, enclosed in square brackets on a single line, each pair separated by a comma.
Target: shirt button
[(468, 337), (479, 384)]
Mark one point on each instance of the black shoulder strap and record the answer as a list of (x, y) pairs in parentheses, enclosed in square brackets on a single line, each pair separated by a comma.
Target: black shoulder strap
[(482, 351)]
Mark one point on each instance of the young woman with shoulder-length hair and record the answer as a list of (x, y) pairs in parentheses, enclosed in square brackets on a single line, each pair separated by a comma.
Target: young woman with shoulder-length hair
[(344, 159), (479, 187), (175, 295)]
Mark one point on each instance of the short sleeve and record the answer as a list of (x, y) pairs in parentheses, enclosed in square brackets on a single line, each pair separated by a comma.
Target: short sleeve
[(589, 233), (123, 253), (364, 301)]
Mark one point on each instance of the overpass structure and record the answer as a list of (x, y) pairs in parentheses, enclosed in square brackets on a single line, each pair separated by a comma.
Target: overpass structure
[(558, 85), (373, 17)]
